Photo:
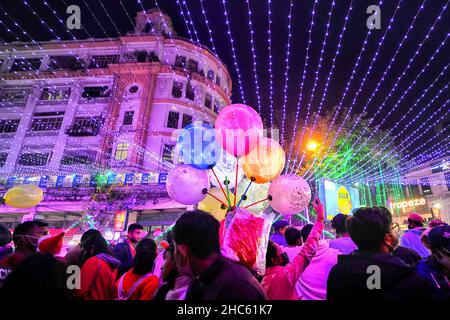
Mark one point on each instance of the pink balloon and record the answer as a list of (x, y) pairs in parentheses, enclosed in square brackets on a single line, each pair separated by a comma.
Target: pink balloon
[(185, 184), (238, 128), (290, 194)]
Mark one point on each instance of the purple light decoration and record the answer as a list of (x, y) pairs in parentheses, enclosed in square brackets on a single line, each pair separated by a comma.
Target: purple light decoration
[(191, 21), (207, 26), (286, 74), (184, 18), (233, 50), (258, 97), (383, 78), (269, 46), (360, 87), (297, 112)]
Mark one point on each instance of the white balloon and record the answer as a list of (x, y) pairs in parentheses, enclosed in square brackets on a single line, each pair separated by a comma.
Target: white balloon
[(226, 167), (290, 194)]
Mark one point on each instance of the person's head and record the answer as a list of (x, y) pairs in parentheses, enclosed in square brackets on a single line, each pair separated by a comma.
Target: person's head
[(439, 241), (372, 230), (38, 277), (196, 239), (135, 232), (169, 237), (415, 220), (306, 230), (93, 246), (435, 223), (27, 234), (169, 269), (339, 224), (90, 234), (275, 255), (5, 235), (145, 256), (280, 226), (293, 237)]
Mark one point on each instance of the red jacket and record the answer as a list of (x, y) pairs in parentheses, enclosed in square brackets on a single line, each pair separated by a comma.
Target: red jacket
[(145, 289), (98, 278)]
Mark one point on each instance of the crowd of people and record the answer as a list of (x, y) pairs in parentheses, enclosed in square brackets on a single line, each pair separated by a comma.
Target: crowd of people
[(368, 259)]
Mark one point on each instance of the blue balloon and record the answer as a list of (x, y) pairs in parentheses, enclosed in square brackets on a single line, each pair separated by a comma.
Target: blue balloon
[(197, 146)]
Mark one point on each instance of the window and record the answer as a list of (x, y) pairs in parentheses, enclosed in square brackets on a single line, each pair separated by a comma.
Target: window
[(128, 117), (172, 120), (218, 80), (55, 94), (3, 157), (208, 100), (210, 75), (202, 73), (192, 65), (133, 89), (78, 157), (85, 126), (177, 89), (180, 61), (34, 159), (96, 92), (46, 124), (216, 106), (7, 126), (65, 63), (167, 152), (426, 187), (187, 119), (447, 179), (122, 151), (103, 61), (190, 92), (22, 64), (14, 95)]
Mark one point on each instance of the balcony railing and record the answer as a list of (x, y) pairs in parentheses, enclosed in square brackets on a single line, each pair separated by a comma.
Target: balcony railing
[(87, 131)]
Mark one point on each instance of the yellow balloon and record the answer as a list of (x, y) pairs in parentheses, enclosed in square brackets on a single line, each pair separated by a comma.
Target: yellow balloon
[(24, 196), (265, 162), (215, 207)]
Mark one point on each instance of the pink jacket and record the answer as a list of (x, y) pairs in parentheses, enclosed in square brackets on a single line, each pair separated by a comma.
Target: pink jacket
[(279, 282)]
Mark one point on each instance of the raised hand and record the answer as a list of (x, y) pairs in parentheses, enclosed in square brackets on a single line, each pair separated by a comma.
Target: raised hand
[(318, 207)]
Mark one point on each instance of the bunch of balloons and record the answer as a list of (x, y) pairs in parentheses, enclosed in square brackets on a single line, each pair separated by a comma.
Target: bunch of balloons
[(221, 164)]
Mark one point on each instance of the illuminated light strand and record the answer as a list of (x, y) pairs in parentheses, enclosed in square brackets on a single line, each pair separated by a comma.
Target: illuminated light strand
[(396, 105), (297, 112), (398, 81), (211, 40), (252, 45), (184, 18), (410, 122), (110, 19), (96, 20), (233, 50), (191, 21), (380, 43), (330, 75), (316, 80), (269, 46), (404, 147), (286, 74), (42, 20)]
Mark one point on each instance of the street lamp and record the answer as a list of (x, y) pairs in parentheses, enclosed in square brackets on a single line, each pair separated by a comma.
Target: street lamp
[(312, 145)]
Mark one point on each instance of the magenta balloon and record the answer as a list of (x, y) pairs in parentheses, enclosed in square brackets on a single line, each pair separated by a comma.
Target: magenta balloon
[(238, 128), (290, 194), (185, 184)]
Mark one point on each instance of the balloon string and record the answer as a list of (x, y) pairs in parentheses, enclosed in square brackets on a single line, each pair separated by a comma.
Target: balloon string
[(228, 192), (256, 202), (245, 193), (218, 181), (236, 184), (217, 198)]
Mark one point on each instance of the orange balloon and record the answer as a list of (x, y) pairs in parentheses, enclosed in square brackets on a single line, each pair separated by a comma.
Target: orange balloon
[(265, 162)]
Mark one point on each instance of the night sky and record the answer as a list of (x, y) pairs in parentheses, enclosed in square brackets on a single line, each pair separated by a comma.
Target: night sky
[(352, 41)]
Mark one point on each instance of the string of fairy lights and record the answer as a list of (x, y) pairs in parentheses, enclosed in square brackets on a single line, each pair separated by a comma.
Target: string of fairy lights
[(391, 149)]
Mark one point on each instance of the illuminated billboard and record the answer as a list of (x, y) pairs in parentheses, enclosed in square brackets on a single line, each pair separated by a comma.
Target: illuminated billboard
[(338, 198)]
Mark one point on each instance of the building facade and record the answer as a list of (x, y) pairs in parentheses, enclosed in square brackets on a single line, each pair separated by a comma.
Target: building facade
[(76, 107)]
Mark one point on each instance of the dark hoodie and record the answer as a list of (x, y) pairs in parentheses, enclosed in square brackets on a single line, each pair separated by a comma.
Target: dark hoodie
[(348, 279)]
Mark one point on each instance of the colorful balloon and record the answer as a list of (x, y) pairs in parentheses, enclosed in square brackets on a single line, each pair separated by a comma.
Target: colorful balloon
[(265, 162), (238, 128), (215, 207), (197, 147), (290, 194), (255, 193), (187, 185), (226, 167), (24, 196)]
